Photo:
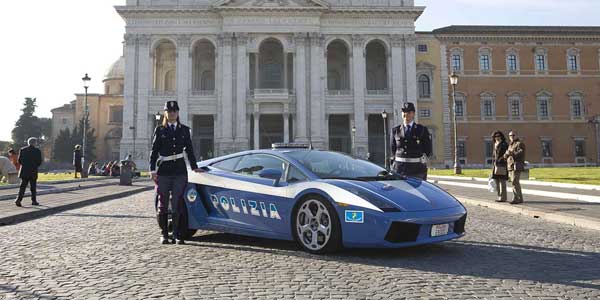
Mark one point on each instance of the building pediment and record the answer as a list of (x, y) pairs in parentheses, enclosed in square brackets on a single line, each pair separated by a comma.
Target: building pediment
[(270, 4)]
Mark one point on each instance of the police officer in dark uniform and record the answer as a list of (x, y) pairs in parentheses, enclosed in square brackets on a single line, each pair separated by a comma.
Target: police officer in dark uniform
[(169, 170), (411, 145)]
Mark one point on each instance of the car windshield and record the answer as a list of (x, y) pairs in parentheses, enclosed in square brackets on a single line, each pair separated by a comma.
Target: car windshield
[(333, 165)]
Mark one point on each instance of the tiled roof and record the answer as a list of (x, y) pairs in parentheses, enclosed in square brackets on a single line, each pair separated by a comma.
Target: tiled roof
[(551, 30)]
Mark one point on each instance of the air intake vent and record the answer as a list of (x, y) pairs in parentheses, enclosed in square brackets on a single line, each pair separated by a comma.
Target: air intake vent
[(401, 232)]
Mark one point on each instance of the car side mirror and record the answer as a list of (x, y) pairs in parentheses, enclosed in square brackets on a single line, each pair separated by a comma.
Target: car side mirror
[(272, 174)]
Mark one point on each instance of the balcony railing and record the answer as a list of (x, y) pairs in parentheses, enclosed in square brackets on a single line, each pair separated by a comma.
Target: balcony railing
[(160, 93), (271, 92), (339, 92), (203, 92), (378, 92)]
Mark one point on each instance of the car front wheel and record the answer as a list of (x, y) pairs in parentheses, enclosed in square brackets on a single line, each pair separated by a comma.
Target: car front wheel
[(316, 226)]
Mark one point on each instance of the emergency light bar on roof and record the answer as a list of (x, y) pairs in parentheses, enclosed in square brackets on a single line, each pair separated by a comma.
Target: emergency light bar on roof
[(290, 146)]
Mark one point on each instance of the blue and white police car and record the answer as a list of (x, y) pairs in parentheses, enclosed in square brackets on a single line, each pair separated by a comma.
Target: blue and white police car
[(323, 200)]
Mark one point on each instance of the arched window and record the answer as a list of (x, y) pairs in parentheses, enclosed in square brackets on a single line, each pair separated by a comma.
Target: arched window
[(376, 60), (165, 66), (203, 62), (338, 58), (424, 86)]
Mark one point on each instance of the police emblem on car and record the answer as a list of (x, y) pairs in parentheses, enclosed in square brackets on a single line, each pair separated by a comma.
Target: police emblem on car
[(354, 216)]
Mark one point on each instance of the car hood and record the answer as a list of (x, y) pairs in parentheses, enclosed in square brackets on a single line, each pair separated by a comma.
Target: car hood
[(408, 195)]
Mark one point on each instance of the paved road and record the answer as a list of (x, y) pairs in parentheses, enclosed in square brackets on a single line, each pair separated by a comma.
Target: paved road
[(110, 250)]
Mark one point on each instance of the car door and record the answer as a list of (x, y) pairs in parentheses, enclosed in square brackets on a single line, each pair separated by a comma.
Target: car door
[(261, 204)]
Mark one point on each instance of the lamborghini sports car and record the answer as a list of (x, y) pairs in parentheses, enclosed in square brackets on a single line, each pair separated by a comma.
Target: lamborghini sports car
[(321, 199)]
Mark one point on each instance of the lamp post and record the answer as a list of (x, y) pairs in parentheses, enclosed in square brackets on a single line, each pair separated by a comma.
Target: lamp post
[(596, 122), (86, 84), (353, 139), (384, 115), (454, 83)]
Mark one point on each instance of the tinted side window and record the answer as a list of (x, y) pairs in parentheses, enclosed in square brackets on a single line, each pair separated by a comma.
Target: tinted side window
[(252, 164), (228, 164)]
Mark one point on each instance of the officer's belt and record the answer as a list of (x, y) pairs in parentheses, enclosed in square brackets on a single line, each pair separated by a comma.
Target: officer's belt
[(411, 160), (170, 157)]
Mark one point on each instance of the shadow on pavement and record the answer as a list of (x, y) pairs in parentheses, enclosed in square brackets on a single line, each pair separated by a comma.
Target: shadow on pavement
[(460, 258)]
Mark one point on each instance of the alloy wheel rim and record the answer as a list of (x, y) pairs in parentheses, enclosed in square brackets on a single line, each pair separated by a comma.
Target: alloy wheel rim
[(313, 225)]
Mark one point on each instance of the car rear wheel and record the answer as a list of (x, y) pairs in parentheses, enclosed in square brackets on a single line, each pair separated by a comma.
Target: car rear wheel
[(316, 226)]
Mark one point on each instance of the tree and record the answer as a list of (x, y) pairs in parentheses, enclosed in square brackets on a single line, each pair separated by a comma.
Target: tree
[(63, 146), (27, 125), (90, 143)]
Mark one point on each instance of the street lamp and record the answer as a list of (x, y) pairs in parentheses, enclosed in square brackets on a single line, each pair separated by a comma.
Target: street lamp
[(86, 84), (384, 115), (454, 83), (353, 138)]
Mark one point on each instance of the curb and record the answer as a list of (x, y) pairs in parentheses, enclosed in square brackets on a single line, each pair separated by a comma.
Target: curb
[(16, 185), (563, 218), (62, 190), (590, 187), (32, 215)]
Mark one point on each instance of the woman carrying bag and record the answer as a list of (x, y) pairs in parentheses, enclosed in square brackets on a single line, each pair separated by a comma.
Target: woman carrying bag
[(500, 170)]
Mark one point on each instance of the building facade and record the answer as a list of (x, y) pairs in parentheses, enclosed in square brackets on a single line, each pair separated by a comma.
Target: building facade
[(105, 114), (542, 82), (251, 73)]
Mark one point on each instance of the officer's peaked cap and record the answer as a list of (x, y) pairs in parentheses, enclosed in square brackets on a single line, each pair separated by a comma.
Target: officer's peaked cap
[(408, 107), (171, 105)]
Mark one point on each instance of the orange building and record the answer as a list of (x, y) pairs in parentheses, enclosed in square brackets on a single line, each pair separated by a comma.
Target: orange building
[(542, 82)]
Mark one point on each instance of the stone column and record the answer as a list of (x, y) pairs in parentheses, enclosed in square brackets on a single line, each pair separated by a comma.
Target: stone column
[(448, 143), (226, 145), (359, 70), (300, 86), (129, 93), (241, 139), (316, 101), (411, 68), (397, 78), (256, 130), (286, 127), (145, 73), (256, 70), (184, 75), (285, 70)]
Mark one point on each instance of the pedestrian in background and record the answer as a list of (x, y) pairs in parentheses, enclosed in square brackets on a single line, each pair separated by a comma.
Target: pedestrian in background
[(515, 158), (14, 158), (30, 158), (77, 160), (92, 169), (500, 168)]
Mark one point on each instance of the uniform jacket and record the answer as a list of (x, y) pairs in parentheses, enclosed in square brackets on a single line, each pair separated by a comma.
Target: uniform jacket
[(30, 159), (417, 143), (167, 142), (515, 156)]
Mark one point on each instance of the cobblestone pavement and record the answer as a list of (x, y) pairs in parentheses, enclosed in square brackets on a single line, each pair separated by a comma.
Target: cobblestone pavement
[(111, 251)]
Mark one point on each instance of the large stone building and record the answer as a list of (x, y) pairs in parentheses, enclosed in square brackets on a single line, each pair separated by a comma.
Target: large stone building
[(248, 73), (543, 82), (105, 114)]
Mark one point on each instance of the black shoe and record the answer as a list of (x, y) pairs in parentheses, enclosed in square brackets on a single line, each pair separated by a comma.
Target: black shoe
[(35, 203), (164, 240), (180, 242), (516, 202), (18, 203)]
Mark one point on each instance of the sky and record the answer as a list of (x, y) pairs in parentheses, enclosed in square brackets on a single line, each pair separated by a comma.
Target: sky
[(49, 45)]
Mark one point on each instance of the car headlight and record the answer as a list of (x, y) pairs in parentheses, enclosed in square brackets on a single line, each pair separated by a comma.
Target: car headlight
[(382, 204)]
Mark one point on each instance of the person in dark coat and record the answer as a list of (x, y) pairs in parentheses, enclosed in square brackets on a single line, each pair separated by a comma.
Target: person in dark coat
[(77, 164), (169, 170), (411, 145), (30, 158), (500, 168)]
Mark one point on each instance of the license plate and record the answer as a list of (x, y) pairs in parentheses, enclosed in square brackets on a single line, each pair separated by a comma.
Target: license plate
[(439, 230)]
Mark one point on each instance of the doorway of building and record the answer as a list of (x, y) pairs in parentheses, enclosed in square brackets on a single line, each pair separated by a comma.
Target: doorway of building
[(203, 136), (339, 133), (376, 140)]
